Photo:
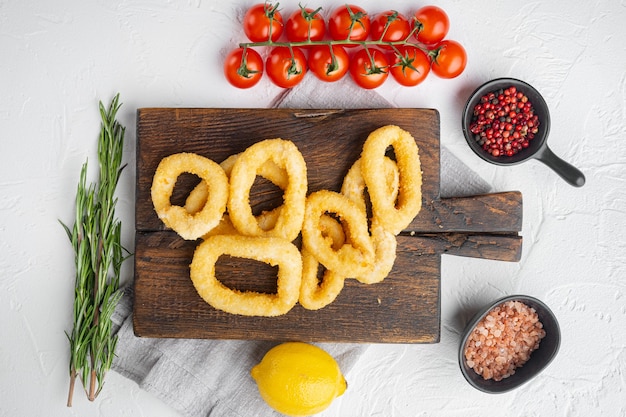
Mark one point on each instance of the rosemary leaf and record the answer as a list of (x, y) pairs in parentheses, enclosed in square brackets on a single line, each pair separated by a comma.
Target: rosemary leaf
[(98, 254)]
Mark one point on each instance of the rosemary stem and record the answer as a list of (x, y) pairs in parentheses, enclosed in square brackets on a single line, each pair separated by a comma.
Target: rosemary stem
[(70, 394), (98, 254), (92, 385)]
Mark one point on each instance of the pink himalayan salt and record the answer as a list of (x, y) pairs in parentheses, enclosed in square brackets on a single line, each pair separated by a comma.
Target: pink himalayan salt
[(503, 340)]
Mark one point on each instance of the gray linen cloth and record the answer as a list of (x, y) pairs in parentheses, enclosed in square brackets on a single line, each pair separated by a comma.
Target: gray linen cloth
[(211, 377)]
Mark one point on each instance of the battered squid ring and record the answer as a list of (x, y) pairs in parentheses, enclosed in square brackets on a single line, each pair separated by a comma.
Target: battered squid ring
[(355, 256), (385, 243), (286, 156), (189, 226), (313, 293), (268, 170), (332, 230), (353, 185), (393, 215), (274, 251), (197, 198)]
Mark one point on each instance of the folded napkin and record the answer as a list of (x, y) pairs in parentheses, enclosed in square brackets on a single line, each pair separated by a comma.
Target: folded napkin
[(211, 377)]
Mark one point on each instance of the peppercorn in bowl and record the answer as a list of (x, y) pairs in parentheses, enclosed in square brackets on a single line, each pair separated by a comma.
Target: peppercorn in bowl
[(506, 121), (508, 343)]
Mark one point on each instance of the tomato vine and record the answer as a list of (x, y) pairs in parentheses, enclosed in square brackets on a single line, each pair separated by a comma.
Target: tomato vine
[(391, 34)]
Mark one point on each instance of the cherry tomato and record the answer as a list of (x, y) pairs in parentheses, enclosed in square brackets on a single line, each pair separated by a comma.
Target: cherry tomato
[(321, 62), (284, 68), (349, 22), (262, 19), (369, 67), (434, 24), (305, 24), (390, 26), (449, 59), (243, 68), (409, 66)]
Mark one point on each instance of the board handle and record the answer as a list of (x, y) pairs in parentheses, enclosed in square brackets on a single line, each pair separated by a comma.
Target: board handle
[(485, 246), (488, 213)]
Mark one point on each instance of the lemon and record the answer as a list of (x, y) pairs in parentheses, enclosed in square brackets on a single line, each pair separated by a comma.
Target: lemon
[(298, 379)]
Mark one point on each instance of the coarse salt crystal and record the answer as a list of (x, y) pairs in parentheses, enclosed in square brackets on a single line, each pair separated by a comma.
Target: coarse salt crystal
[(512, 331)]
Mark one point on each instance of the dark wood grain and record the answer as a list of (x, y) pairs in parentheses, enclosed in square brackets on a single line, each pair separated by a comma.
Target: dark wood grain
[(402, 309), (489, 213), (498, 247), (405, 308), (330, 142)]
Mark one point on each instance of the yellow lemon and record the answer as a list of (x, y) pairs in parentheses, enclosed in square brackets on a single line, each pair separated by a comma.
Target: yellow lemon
[(298, 379)]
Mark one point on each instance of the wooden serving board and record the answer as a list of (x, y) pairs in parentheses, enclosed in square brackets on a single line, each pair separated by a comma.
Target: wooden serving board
[(404, 308)]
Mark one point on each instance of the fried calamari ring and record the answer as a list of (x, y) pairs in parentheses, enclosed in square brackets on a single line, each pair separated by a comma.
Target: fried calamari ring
[(355, 256), (189, 226), (316, 294), (274, 251), (354, 187), (385, 243), (287, 157), (394, 215), (269, 170), (332, 231), (197, 198), (266, 221)]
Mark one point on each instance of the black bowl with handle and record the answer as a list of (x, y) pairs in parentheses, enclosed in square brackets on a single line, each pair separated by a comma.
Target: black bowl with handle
[(538, 147)]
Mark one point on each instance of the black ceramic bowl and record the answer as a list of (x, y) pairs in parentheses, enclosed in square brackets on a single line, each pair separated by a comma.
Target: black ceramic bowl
[(538, 148), (539, 359)]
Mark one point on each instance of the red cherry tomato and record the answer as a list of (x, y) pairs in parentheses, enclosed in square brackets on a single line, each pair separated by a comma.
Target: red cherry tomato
[(305, 24), (260, 20), (369, 68), (243, 68), (390, 26), (409, 66), (349, 22), (322, 64), (284, 69), (449, 59), (434, 24)]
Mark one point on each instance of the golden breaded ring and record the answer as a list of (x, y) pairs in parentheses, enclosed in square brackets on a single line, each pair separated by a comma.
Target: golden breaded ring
[(189, 226), (273, 251), (197, 198), (394, 215), (269, 170), (313, 293), (385, 243), (286, 156), (332, 230), (225, 227), (267, 220), (356, 255), (353, 185)]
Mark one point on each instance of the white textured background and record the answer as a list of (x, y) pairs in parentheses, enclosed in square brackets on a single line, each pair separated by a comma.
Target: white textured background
[(58, 58)]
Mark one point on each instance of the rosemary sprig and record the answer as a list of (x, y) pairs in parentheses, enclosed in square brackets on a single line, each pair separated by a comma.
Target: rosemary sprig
[(99, 254)]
